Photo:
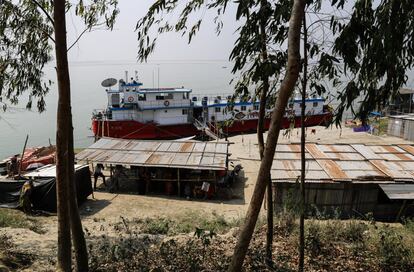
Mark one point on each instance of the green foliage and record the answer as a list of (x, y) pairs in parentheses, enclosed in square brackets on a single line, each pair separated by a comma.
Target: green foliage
[(93, 12), (377, 50), (409, 225), (205, 236), (26, 39), (263, 31), (313, 238), (394, 253), (24, 50), (351, 231), (158, 226), (185, 223)]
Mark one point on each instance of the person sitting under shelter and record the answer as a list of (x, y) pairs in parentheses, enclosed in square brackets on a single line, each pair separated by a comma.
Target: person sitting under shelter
[(98, 173), (118, 172)]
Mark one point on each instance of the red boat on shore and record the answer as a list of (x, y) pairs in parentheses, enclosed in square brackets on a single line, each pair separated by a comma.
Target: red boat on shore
[(134, 112)]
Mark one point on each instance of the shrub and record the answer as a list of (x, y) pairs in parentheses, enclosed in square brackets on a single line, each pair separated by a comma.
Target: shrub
[(313, 239), (354, 231), (157, 226), (394, 254)]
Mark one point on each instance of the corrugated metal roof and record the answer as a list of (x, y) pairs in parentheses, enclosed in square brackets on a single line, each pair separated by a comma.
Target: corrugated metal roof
[(48, 171), (347, 162), (398, 191), (152, 153)]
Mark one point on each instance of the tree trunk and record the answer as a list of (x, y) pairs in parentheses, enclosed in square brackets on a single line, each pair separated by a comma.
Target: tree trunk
[(62, 139), (302, 151), (78, 238), (65, 153), (260, 130), (285, 91)]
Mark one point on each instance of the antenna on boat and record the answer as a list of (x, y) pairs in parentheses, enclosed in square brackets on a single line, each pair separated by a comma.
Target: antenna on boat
[(158, 76), (126, 76), (153, 78)]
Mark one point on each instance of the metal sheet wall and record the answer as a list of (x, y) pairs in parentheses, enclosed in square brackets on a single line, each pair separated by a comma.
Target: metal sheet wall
[(343, 200)]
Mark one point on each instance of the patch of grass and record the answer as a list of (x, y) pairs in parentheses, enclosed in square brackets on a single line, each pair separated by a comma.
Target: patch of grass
[(345, 230), (409, 225), (17, 219), (156, 226), (314, 238), (188, 222), (394, 252)]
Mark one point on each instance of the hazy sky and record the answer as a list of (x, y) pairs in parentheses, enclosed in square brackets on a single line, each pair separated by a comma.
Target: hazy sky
[(121, 43)]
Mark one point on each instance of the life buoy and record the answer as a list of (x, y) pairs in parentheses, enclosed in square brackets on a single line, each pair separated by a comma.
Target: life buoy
[(166, 103), (130, 99)]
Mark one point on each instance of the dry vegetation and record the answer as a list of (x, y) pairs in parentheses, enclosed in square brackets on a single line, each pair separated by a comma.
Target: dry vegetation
[(332, 245), (199, 242)]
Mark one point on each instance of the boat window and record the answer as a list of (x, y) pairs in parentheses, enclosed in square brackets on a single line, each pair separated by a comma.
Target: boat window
[(243, 108), (256, 107), (217, 109), (164, 96), (115, 100), (315, 104), (186, 95), (185, 111), (142, 97)]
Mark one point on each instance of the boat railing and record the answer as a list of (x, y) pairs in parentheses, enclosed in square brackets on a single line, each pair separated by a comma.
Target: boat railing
[(101, 114), (213, 98)]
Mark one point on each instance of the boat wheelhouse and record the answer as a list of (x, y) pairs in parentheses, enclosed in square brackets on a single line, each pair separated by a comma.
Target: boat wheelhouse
[(134, 112)]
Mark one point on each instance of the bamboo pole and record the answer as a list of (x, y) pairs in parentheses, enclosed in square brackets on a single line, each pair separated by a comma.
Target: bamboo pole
[(21, 158)]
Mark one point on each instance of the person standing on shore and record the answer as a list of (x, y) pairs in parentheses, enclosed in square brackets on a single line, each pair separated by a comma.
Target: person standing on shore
[(98, 173)]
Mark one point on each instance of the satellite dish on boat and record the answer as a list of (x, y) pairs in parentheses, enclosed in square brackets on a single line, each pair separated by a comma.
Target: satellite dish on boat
[(109, 82)]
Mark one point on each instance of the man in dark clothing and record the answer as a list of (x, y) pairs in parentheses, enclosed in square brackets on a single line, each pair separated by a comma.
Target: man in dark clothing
[(98, 173)]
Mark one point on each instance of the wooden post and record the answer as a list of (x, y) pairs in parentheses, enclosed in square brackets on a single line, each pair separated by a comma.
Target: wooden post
[(215, 182), (178, 182), (21, 158), (401, 210)]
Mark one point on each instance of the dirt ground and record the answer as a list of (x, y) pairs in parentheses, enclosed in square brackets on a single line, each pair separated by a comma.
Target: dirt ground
[(107, 208)]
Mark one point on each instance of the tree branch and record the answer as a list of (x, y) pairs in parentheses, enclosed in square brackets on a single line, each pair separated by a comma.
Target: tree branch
[(45, 12), (83, 32)]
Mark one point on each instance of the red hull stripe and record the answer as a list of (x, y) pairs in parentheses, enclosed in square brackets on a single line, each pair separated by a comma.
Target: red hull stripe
[(137, 130)]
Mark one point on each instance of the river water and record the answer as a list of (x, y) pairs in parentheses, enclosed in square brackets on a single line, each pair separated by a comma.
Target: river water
[(204, 78)]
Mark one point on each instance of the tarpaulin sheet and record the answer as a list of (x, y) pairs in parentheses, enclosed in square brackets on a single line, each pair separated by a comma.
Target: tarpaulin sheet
[(43, 196)]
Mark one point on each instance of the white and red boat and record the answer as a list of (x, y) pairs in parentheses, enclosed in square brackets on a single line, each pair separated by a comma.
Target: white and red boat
[(134, 112)]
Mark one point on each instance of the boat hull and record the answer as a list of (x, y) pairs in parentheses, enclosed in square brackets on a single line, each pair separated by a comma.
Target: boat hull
[(137, 130)]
